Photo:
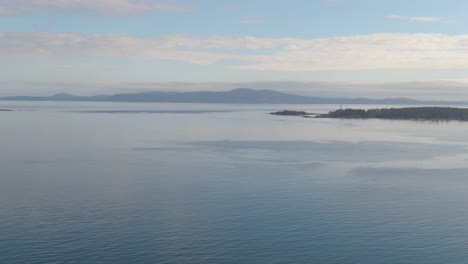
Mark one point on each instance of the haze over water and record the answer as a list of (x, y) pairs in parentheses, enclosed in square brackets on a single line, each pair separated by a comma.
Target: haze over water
[(204, 183)]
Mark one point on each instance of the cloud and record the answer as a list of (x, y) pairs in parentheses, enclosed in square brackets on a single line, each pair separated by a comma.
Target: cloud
[(421, 19), (103, 7), (44, 45), (253, 20), (365, 52)]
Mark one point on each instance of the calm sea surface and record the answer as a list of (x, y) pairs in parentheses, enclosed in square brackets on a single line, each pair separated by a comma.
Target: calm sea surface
[(200, 183)]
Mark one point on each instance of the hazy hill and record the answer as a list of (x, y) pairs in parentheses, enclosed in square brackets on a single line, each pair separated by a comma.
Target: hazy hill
[(237, 96)]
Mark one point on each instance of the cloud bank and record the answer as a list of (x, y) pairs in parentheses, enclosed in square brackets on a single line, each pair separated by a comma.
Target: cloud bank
[(103, 7), (421, 19), (366, 52)]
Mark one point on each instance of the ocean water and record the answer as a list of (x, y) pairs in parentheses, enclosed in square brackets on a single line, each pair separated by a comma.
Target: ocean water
[(200, 183)]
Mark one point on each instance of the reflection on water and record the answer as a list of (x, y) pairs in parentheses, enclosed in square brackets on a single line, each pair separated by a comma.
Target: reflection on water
[(195, 183)]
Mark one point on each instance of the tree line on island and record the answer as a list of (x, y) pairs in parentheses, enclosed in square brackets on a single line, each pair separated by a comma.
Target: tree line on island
[(413, 113)]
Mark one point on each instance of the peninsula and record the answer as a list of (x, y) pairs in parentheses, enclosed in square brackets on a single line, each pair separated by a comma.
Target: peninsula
[(407, 113), (292, 113)]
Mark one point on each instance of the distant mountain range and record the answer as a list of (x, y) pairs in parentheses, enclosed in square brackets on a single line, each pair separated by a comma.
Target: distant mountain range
[(237, 96)]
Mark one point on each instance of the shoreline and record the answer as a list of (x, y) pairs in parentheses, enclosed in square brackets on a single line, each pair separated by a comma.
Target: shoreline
[(408, 113)]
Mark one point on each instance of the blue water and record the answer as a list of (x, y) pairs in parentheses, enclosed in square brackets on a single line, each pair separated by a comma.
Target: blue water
[(196, 183)]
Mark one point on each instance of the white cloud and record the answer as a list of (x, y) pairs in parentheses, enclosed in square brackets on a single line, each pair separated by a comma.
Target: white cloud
[(421, 19), (42, 45), (104, 7), (366, 52)]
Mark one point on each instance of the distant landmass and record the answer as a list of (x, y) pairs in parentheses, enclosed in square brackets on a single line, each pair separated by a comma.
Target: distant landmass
[(406, 113), (410, 113), (294, 113), (237, 96)]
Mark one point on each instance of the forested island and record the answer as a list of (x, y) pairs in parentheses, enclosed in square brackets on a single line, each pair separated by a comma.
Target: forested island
[(291, 113), (407, 113)]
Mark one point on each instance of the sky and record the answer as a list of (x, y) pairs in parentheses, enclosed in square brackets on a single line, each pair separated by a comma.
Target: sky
[(347, 48)]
